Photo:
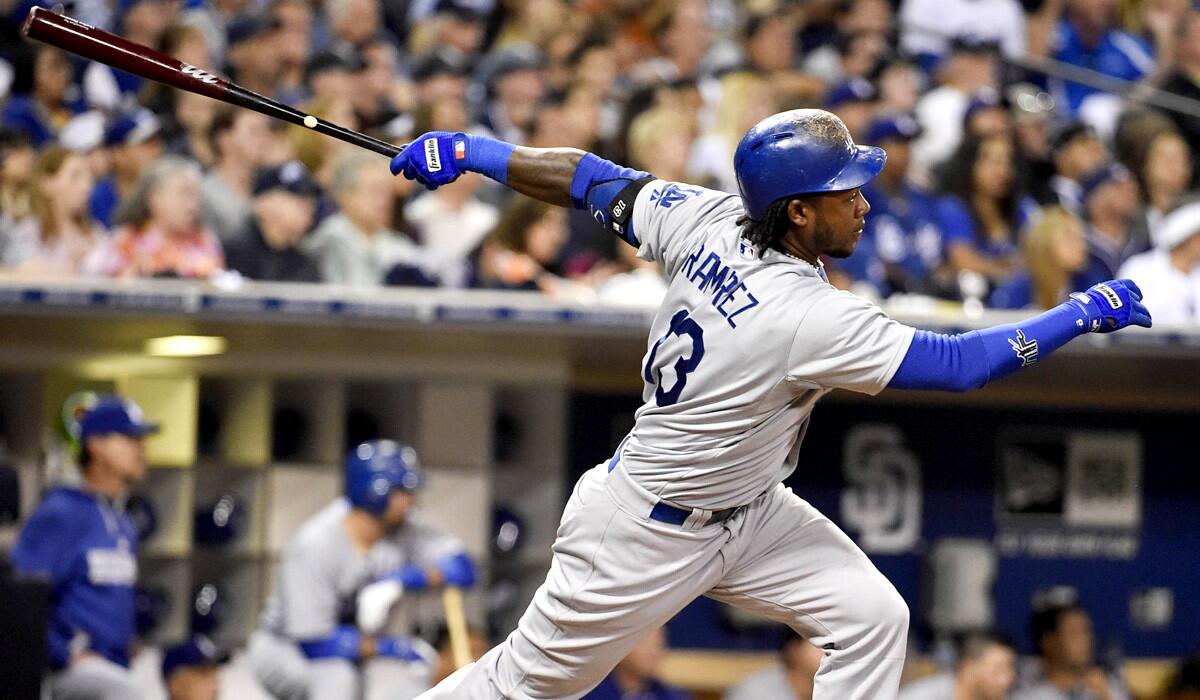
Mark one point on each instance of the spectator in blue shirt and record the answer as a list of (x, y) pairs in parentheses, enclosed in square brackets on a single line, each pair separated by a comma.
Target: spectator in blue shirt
[(984, 210), (40, 110), (134, 142), (81, 539), (901, 247), (1087, 36), (634, 676), (1113, 232)]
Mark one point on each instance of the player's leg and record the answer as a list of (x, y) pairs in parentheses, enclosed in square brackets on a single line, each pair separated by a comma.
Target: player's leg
[(279, 667), (94, 678), (790, 563), (333, 679), (615, 576)]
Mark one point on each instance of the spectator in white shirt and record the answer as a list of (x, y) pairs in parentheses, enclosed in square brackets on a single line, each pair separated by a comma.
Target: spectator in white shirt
[(1169, 275), (986, 670)]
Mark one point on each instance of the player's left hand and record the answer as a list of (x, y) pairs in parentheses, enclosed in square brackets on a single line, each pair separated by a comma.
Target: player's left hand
[(375, 602), (456, 570), (431, 159), (1113, 305)]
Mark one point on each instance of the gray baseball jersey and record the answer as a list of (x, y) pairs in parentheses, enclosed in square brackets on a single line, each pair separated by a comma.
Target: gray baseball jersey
[(321, 571), (742, 348)]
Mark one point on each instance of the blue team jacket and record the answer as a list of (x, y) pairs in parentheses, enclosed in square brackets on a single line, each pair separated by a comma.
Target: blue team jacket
[(88, 550)]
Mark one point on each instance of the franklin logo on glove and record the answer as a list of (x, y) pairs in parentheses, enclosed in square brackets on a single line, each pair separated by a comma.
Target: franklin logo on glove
[(431, 156), (1114, 299)]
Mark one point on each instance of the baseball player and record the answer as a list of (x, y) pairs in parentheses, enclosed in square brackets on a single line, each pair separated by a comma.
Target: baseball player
[(749, 337), (340, 576), (82, 540)]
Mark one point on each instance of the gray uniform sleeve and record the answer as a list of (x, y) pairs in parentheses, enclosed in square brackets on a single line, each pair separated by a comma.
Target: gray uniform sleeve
[(424, 544), (669, 218), (308, 591), (845, 342)]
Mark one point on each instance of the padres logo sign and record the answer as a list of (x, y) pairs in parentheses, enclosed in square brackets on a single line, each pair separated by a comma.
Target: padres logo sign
[(882, 499)]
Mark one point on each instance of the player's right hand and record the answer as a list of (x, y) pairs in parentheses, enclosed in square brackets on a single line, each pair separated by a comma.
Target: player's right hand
[(431, 159), (1113, 305), (375, 602), (456, 570)]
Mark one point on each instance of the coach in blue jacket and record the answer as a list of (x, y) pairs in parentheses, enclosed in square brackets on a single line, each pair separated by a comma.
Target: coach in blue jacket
[(82, 540)]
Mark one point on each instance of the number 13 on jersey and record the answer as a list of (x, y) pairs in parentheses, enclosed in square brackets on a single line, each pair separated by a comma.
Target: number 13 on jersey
[(682, 326)]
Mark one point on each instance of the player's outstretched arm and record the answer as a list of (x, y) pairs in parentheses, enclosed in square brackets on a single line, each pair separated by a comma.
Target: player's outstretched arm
[(562, 176), (970, 360)]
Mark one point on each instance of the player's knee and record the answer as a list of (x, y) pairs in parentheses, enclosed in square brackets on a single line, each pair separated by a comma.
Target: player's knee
[(880, 611)]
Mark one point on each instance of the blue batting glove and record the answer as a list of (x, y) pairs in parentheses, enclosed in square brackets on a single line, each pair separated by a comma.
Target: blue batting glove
[(457, 570), (430, 159), (412, 577), (1112, 305), (398, 648), (344, 643)]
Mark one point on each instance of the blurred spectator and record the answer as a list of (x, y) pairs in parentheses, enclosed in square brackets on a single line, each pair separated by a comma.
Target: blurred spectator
[(986, 115), (1065, 642), (163, 235), (58, 238), (986, 670), (1185, 81), (899, 82), (285, 208), (1084, 33), (43, 107), (927, 25), (455, 31), (252, 55), (1076, 150), (333, 75), (438, 77), (316, 151), (901, 247), (1031, 109), (682, 37), (853, 100), (133, 141), (981, 217), (380, 97), (1054, 252), (143, 22), (1162, 166), (239, 138), (791, 679), (636, 675), (521, 251), (191, 122), (451, 221), (970, 66), (770, 49), (294, 22), (352, 22), (1110, 198), (746, 99), (185, 115), (191, 669), (871, 20), (355, 246), (516, 84), (17, 158), (1169, 274)]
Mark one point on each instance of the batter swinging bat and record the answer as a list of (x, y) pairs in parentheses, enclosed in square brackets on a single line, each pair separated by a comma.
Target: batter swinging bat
[(456, 623), (98, 45)]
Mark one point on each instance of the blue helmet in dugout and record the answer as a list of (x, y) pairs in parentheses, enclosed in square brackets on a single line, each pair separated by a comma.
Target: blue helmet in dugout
[(377, 467), (801, 151)]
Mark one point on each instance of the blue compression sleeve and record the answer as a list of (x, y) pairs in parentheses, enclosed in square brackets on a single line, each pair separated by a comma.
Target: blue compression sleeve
[(343, 643), (607, 190), (486, 155), (970, 360)]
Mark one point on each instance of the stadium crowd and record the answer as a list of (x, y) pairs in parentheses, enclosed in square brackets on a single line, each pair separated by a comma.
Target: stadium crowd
[(1005, 186)]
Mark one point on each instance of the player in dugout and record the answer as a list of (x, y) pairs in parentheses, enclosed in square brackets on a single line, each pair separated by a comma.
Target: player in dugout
[(749, 337), (340, 578), (82, 540)]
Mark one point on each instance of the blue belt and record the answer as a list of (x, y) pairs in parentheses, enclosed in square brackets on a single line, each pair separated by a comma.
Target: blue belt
[(664, 512)]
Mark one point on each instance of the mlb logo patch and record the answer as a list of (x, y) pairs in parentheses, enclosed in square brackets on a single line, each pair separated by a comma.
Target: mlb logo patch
[(460, 149)]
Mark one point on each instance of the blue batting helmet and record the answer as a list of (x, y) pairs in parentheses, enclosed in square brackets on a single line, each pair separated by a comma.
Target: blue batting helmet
[(801, 151), (375, 468)]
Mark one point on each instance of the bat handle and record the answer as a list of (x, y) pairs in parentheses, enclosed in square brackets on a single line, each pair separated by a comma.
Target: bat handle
[(456, 623)]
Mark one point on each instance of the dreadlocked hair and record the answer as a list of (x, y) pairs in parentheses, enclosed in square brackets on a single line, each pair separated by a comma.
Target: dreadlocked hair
[(768, 231)]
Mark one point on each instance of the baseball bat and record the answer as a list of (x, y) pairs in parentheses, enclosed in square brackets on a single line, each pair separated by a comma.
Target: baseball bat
[(456, 623), (101, 46)]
